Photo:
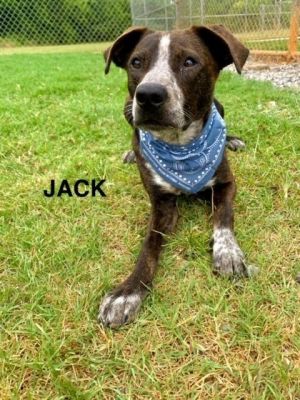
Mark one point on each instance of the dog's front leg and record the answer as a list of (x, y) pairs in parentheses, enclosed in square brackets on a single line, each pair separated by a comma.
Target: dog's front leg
[(121, 306), (228, 258)]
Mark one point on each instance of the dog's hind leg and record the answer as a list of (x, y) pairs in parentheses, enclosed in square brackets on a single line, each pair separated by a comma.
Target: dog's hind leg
[(121, 306), (129, 157), (234, 143)]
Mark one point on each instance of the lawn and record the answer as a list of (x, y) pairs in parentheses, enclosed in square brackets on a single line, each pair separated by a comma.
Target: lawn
[(72, 48), (269, 45), (197, 336)]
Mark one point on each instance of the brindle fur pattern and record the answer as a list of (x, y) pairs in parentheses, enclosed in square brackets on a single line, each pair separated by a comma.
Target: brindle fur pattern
[(188, 88)]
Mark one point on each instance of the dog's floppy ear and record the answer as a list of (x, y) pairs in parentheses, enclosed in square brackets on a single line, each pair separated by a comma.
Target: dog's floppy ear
[(120, 51), (224, 47)]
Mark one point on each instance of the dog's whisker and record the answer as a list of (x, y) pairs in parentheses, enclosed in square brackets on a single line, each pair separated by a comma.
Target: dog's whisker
[(187, 114)]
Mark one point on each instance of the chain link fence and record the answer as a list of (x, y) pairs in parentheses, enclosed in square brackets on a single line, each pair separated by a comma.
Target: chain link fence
[(51, 22), (260, 24)]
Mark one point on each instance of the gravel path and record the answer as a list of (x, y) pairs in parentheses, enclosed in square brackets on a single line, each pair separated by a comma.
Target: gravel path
[(281, 75)]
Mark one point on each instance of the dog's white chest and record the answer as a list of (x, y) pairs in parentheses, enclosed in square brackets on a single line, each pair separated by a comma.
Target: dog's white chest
[(159, 181)]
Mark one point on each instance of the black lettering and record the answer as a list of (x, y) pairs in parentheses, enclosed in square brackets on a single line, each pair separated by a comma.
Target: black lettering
[(76, 187), (64, 188), (96, 188), (52, 189)]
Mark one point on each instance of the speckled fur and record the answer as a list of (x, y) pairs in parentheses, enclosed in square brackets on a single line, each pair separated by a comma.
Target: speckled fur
[(178, 120), (118, 310), (228, 258)]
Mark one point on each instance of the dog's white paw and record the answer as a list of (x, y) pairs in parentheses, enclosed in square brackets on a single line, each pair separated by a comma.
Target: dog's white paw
[(117, 310), (228, 258)]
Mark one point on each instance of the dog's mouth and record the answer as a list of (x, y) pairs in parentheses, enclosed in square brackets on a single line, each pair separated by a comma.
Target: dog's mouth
[(159, 120), (154, 124)]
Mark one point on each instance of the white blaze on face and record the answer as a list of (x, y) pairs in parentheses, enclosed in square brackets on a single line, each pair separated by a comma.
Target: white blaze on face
[(162, 73)]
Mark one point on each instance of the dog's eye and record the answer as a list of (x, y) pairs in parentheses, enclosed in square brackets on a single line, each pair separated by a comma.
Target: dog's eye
[(136, 63), (189, 62)]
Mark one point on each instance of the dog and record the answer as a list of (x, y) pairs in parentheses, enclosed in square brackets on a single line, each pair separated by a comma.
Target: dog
[(178, 143)]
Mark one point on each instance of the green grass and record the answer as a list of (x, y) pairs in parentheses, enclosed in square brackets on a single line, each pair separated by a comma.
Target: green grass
[(197, 336), (269, 45), (67, 48)]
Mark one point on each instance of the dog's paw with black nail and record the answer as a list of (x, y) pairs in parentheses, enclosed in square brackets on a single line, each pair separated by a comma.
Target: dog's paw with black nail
[(119, 309)]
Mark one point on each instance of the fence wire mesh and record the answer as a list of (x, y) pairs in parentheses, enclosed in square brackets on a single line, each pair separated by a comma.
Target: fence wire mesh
[(260, 24), (40, 22)]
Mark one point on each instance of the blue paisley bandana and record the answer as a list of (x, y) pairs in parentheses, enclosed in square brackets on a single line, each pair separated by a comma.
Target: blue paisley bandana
[(188, 167)]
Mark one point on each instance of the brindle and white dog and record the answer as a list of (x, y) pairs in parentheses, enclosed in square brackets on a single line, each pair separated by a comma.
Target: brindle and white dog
[(171, 81)]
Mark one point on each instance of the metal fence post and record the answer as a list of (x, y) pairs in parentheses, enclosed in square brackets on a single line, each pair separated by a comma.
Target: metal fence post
[(202, 11), (190, 12), (246, 16), (278, 9), (145, 13), (132, 10), (294, 26), (181, 12), (262, 16), (166, 16)]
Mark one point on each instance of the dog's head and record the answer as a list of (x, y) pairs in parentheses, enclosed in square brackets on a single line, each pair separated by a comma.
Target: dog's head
[(171, 76)]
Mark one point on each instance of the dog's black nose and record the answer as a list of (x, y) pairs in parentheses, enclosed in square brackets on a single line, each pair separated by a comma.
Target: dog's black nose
[(151, 95)]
